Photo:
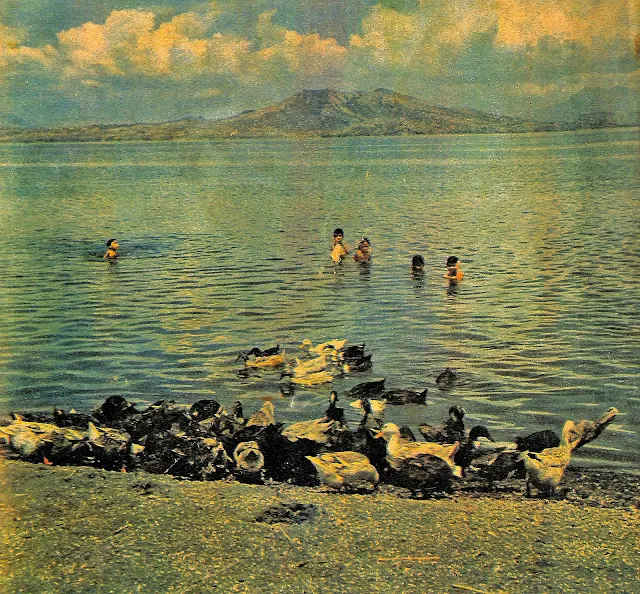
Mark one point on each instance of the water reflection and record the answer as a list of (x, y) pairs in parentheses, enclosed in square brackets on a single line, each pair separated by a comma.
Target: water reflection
[(204, 273)]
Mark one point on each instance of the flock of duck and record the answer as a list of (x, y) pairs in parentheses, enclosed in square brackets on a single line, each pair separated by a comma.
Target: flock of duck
[(207, 441)]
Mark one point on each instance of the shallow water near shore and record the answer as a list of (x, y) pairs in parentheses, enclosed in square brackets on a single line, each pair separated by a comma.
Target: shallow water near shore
[(224, 246)]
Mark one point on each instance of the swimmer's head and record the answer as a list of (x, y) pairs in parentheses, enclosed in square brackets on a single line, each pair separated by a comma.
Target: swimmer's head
[(111, 242), (364, 242), (338, 232), (417, 261), (452, 260)]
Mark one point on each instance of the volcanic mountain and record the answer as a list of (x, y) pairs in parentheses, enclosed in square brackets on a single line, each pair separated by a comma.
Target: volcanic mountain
[(309, 113)]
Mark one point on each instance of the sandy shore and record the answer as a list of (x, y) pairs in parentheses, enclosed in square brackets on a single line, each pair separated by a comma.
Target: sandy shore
[(77, 529)]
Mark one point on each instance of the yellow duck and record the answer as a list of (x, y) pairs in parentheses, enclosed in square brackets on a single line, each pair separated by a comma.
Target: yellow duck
[(546, 468), (26, 438), (303, 368), (400, 451), (264, 417), (377, 406), (267, 362), (345, 471), (312, 379), (330, 345)]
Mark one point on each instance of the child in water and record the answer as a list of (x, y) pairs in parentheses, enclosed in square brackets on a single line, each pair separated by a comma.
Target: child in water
[(112, 249), (454, 272), (417, 264), (363, 253), (339, 249)]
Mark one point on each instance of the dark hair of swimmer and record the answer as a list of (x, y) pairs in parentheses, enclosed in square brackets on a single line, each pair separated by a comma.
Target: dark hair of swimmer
[(365, 240), (452, 261), (417, 261), (337, 232), (110, 242)]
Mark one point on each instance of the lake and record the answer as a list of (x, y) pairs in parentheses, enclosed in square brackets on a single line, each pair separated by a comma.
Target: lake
[(225, 245)]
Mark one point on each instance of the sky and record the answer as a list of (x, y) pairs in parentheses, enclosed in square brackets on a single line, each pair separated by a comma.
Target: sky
[(72, 62)]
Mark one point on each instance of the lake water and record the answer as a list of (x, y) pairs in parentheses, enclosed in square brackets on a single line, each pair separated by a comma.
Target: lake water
[(225, 246)]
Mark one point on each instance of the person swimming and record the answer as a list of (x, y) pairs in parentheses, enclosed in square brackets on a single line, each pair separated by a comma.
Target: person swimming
[(112, 249), (363, 252), (417, 264), (454, 272), (339, 248)]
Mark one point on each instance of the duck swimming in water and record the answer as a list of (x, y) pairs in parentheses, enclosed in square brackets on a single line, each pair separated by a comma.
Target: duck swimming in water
[(302, 368), (368, 405), (452, 430), (400, 396), (257, 352), (446, 379), (330, 345), (312, 379), (267, 362)]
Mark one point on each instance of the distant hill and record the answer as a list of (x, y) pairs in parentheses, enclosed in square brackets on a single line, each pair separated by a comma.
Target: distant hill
[(312, 113), (597, 107)]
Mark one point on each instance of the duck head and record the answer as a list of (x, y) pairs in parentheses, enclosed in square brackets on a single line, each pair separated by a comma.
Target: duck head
[(456, 413), (479, 431), (388, 431)]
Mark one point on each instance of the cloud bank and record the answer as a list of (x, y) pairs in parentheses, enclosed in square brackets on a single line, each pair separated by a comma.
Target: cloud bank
[(162, 62)]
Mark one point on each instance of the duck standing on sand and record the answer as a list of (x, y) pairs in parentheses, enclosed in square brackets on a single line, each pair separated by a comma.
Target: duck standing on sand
[(349, 471), (420, 466), (546, 468)]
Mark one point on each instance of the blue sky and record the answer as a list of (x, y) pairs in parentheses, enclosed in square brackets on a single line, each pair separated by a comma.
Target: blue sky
[(101, 61)]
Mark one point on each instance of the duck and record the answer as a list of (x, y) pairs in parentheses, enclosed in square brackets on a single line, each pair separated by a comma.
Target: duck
[(267, 362), (349, 471), (333, 412), (470, 447), (225, 423), (329, 345), (263, 417), (400, 396), (302, 368), (257, 352), (312, 379), (546, 468), (248, 457), (62, 418), (420, 466), (28, 438), (586, 431), (354, 351), (368, 389), (361, 364), (446, 379), (368, 405), (452, 430), (400, 450), (538, 441)]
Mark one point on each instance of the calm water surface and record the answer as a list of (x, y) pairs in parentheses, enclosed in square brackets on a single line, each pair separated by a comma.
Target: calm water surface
[(224, 246)]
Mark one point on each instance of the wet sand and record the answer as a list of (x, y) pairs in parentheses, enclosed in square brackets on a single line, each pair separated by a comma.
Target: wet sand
[(78, 529)]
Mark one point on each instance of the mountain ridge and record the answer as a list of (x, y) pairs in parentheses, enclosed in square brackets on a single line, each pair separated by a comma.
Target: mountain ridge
[(308, 113)]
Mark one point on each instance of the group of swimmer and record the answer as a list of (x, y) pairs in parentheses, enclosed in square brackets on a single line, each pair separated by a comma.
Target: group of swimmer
[(340, 249)]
